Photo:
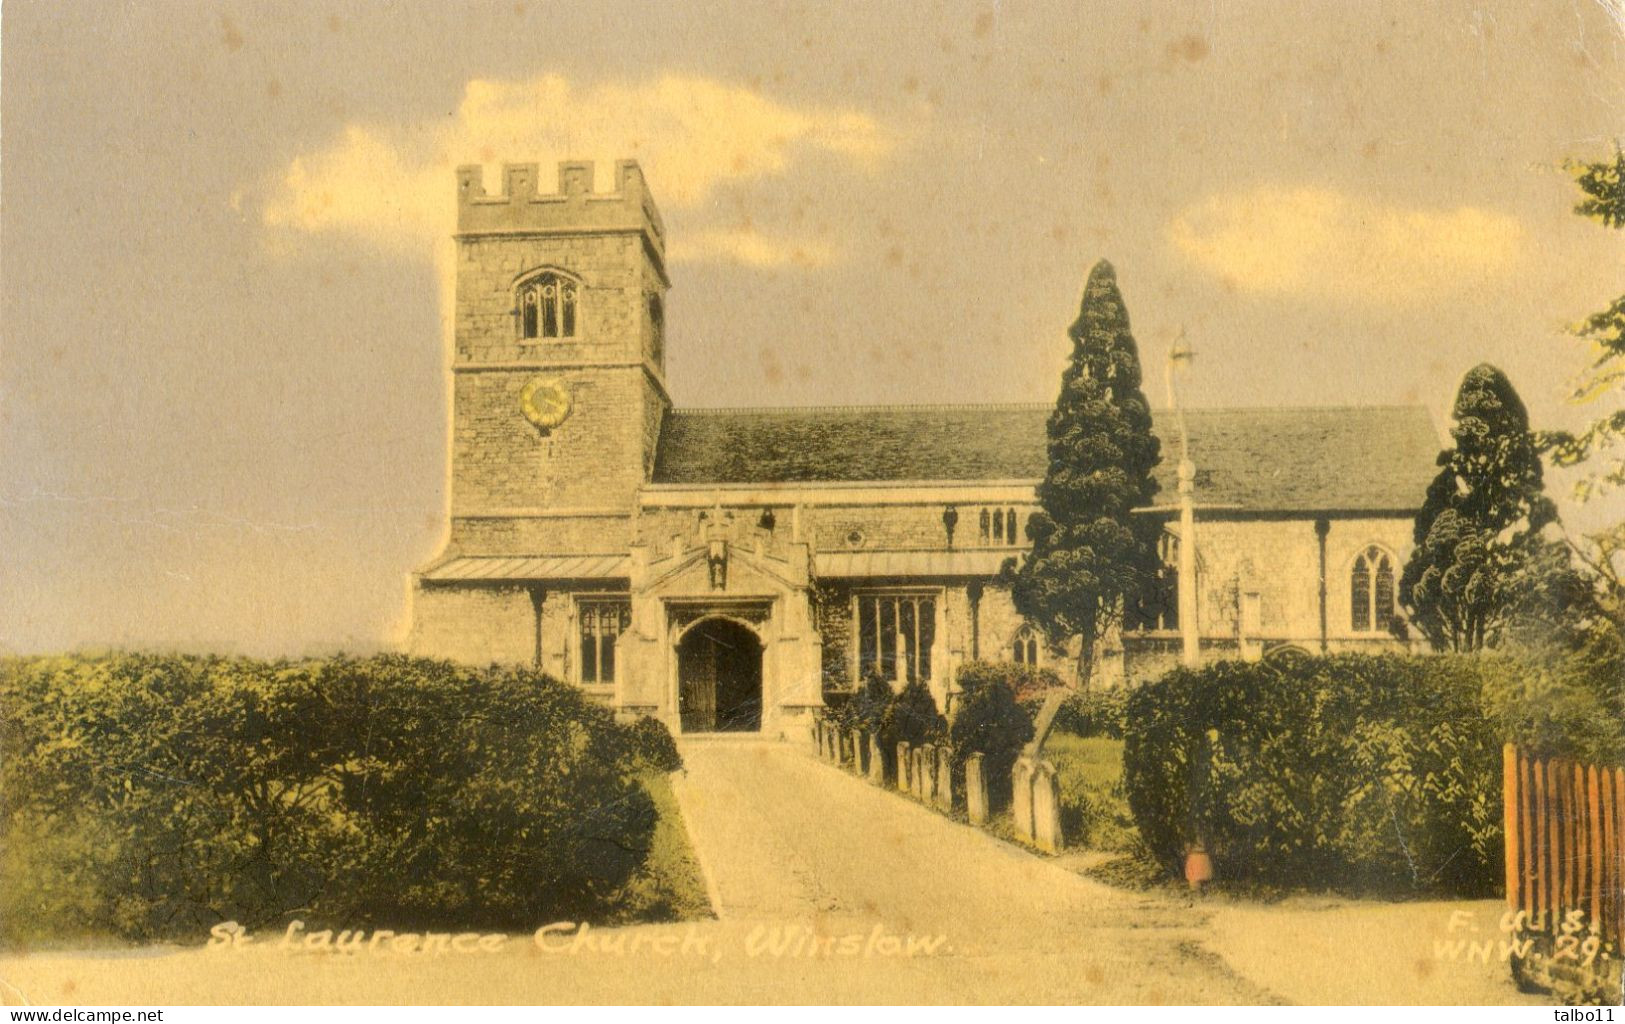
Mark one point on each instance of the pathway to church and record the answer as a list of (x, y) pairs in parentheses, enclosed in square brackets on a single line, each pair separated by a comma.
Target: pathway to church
[(797, 850)]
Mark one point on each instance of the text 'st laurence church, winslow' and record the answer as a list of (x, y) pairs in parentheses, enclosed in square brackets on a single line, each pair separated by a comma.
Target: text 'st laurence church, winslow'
[(722, 569)]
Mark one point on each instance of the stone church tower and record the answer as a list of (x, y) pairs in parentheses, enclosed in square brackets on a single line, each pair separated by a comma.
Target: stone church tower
[(559, 314)]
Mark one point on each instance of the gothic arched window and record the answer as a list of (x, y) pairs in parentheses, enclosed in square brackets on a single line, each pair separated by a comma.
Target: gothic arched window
[(1024, 648), (1159, 607), (1371, 591), (547, 306)]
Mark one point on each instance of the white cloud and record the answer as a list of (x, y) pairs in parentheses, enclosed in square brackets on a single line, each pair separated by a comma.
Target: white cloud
[(393, 186), (1325, 244)]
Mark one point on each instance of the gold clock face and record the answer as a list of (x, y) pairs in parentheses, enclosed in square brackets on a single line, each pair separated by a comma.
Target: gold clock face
[(545, 403)]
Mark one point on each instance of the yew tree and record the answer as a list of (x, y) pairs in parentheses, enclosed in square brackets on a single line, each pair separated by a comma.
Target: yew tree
[(1477, 534), (1090, 551)]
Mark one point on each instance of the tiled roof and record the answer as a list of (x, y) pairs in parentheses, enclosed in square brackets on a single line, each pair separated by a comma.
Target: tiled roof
[(1273, 459)]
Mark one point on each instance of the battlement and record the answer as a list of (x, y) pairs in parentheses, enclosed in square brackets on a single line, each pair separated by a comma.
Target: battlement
[(574, 208)]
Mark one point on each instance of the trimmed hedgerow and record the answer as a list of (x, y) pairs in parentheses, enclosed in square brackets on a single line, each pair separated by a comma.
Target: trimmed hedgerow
[(989, 720), (1097, 713), (1371, 774), (652, 746), (912, 717), (867, 708), (147, 796)]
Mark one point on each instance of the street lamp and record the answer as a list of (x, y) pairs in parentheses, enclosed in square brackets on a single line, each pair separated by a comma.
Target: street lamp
[(1190, 640)]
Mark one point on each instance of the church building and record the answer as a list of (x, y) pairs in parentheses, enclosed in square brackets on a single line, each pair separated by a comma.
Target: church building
[(725, 569)]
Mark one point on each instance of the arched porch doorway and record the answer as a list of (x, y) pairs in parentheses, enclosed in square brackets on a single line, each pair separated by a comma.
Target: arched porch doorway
[(719, 678)]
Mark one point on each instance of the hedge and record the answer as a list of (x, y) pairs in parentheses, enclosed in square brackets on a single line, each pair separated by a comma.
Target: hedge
[(1096, 713), (149, 796), (912, 717), (990, 720), (1360, 773)]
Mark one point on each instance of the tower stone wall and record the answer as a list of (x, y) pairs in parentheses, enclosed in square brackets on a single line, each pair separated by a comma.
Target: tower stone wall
[(517, 488)]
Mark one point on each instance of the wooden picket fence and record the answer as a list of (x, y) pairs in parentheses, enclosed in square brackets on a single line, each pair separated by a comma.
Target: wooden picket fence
[(1565, 842)]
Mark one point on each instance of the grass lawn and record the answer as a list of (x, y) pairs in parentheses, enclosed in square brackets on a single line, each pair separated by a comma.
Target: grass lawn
[(1094, 812), (670, 886)]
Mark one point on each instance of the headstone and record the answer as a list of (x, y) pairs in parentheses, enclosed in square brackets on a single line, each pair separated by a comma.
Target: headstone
[(818, 733), (1047, 808), (1021, 796), (877, 763), (905, 768), (860, 751), (845, 746), (924, 775), (945, 778), (975, 790)]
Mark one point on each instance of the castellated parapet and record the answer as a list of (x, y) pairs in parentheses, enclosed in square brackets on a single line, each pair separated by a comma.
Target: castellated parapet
[(575, 207)]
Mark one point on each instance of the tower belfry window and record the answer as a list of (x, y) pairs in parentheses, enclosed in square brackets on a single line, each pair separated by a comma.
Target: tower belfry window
[(548, 307)]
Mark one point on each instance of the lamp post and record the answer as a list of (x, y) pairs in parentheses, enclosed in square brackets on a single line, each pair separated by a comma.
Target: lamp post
[(1189, 632)]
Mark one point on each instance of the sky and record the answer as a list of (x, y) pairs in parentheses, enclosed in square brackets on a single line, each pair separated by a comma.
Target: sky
[(224, 228)]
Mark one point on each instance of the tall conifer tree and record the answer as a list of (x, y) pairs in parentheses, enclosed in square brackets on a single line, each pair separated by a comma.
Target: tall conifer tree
[(1479, 526), (1090, 551)]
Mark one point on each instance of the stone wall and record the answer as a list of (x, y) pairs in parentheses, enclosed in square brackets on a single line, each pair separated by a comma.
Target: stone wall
[(476, 625), (594, 459), (611, 302), (1259, 585), (999, 624), (879, 526), (833, 620), (599, 534), (893, 527)]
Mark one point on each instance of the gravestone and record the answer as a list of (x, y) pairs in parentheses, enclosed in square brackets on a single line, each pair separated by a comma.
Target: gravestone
[(905, 768), (1046, 808), (877, 763), (945, 778), (975, 790), (1021, 796)]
